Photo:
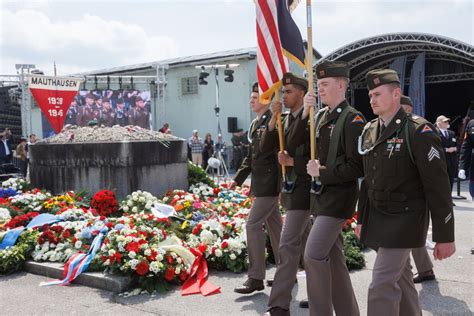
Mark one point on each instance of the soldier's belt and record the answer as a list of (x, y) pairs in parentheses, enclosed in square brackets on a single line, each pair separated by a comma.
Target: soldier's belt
[(393, 196)]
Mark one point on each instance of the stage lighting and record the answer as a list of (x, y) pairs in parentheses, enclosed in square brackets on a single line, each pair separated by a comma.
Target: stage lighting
[(229, 74), (202, 77)]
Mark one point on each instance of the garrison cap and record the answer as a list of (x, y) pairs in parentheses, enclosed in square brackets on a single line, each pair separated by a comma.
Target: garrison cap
[(406, 100), (332, 69), (378, 77), (255, 87), (290, 78)]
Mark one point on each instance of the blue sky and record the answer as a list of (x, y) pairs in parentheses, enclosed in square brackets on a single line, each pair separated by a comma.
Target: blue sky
[(87, 35)]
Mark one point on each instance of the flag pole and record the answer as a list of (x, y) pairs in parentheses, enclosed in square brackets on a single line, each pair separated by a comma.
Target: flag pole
[(309, 69), (280, 135)]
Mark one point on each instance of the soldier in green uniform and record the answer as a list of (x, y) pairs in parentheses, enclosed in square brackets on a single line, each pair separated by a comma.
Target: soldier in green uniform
[(338, 165), (406, 182), (295, 193), (265, 187)]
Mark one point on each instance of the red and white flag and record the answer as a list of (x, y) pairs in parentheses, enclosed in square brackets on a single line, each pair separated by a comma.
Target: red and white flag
[(54, 96)]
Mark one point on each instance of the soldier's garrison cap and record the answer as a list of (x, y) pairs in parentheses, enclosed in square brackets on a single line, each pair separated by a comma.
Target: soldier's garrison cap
[(255, 87), (406, 100), (378, 77), (290, 78), (332, 69)]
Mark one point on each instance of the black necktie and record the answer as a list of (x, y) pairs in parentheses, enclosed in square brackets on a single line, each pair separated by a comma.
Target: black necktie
[(382, 128)]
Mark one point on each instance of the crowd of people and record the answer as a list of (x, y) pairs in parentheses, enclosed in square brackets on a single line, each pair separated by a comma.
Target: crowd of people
[(407, 166), (20, 155)]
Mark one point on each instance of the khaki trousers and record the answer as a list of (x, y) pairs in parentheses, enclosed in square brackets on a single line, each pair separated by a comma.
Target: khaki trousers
[(327, 277), (197, 158), (290, 251), (422, 259), (264, 211), (392, 291)]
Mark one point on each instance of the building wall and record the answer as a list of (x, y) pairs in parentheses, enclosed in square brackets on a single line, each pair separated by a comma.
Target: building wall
[(196, 111), (186, 112)]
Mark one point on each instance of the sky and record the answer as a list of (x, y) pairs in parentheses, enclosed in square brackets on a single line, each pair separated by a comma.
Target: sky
[(89, 35)]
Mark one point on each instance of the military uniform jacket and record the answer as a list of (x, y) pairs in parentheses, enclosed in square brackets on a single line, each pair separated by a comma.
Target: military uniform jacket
[(340, 181), (293, 138), (139, 117), (401, 191), (85, 114), (466, 157), (107, 117), (262, 165)]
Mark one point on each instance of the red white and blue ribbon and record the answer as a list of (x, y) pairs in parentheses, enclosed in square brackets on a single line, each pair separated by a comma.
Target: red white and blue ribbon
[(79, 262)]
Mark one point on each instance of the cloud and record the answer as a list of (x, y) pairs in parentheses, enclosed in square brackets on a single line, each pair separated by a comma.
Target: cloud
[(338, 23), (88, 42)]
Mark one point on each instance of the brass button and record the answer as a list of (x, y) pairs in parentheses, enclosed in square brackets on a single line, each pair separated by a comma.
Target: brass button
[(373, 181), (374, 167), (407, 208), (375, 154)]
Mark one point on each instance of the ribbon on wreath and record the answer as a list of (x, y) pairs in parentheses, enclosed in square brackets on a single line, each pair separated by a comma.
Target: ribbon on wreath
[(197, 281), (79, 262), (12, 235)]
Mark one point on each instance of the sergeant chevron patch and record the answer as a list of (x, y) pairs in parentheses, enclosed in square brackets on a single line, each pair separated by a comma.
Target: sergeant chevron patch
[(434, 153)]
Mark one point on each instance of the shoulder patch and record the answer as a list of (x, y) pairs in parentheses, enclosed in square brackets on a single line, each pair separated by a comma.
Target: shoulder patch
[(357, 119), (426, 129)]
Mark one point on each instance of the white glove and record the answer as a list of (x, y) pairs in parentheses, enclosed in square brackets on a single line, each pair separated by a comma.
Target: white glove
[(462, 174)]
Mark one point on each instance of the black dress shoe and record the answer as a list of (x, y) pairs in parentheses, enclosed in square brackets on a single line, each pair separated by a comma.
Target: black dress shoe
[(250, 286), (270, 282), (304, 304), (277, 311), (424, 276)]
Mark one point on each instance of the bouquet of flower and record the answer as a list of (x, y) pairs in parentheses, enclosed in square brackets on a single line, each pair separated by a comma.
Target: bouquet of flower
[(225, 241), (17, 184), (59, 203), (4, 215), (186, 203), (20, 220), (105, 203), (146, 253), (203, 190), (138, 201), (54, 244), (30, 201), (13, 258), (5, 193)]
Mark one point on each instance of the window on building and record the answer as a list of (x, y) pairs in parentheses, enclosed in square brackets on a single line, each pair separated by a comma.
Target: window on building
[(189, 85)]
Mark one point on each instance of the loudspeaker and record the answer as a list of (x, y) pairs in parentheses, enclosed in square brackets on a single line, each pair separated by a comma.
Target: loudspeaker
[(232, 124)]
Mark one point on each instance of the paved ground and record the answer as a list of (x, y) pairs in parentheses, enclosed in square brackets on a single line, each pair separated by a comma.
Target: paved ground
[(451, 294)]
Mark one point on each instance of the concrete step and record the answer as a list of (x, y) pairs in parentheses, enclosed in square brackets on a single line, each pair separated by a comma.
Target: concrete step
[(98, 280)]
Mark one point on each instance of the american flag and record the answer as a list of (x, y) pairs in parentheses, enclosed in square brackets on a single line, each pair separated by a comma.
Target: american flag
[(278, 38)]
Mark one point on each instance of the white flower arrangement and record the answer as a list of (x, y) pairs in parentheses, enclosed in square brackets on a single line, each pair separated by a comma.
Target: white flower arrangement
[(202, 189), (4, 215), (18, 184), (138, 202)]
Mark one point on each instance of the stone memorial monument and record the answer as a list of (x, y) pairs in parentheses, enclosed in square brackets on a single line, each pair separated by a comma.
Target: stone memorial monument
[(122, 159)]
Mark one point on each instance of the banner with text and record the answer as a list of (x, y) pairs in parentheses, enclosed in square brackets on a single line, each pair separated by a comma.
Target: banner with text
[(54, 95), (399, 66), (416, 90), (106, 108)]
